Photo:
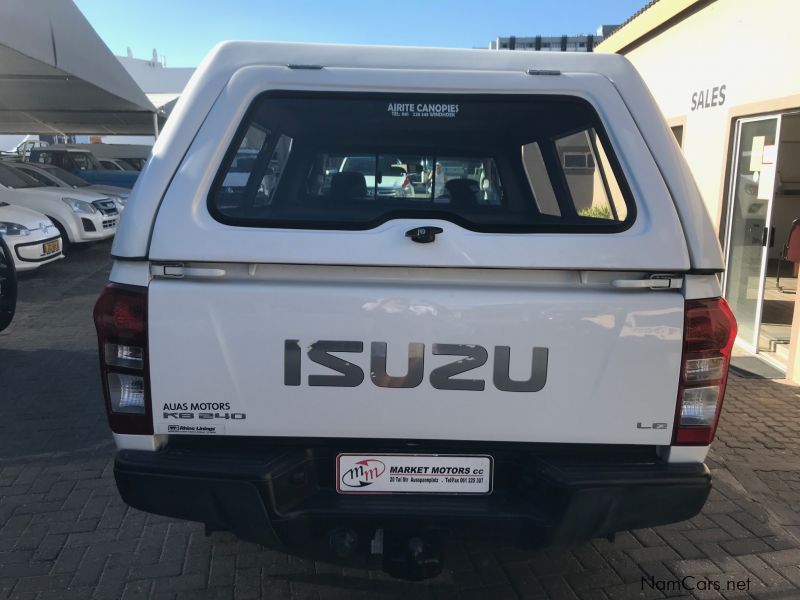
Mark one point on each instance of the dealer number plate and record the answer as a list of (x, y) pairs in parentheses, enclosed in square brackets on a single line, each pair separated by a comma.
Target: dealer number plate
[(413, 474), (50, 247)]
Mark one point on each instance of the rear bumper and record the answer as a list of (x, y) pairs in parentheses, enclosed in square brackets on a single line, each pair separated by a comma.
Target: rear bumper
[(285, 497)]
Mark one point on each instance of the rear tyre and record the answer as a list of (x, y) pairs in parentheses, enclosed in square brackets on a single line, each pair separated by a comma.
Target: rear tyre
[(8, 285)]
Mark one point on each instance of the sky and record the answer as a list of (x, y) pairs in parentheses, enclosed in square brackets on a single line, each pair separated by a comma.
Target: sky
[(183, 31)]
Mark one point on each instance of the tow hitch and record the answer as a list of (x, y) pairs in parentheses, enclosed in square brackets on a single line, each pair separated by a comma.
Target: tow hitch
[(410, 555), (414, 557)]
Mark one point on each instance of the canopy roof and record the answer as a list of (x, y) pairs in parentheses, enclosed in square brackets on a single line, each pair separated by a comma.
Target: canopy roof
[(58, 77)]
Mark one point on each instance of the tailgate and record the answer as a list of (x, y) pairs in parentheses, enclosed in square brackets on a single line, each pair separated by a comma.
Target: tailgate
[(474, 302), (413, 353)]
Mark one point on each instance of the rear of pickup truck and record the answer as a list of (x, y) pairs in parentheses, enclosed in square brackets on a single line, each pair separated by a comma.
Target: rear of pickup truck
[(530, 347)]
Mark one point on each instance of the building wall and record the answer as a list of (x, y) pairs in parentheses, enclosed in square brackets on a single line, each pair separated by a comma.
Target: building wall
[(551, 43), (742, 57)]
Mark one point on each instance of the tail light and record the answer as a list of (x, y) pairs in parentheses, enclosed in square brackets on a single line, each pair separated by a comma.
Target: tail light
[(708, 336), (120, 316), (406, 182)]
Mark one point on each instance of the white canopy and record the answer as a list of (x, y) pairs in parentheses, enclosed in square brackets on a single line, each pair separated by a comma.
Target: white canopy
[(58, 77)]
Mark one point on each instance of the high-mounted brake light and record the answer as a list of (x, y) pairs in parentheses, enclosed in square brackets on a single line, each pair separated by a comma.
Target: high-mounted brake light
[(120, 316), (708, 336)]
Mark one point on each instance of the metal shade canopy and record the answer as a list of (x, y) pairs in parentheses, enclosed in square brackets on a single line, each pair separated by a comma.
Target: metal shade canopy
[(58, 77)]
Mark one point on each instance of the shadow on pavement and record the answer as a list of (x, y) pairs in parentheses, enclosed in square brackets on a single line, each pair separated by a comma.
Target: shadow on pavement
[(51, 402)]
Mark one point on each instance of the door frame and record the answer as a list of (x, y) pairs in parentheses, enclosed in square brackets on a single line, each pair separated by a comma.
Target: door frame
[(734, 171)]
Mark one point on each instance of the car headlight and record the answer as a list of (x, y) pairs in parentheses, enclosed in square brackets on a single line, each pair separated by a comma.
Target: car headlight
[(79, 206), (119, 200), (10, 229)]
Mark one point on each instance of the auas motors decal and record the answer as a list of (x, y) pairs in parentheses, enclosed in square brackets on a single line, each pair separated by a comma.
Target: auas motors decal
[(471, 356), (363, 473)]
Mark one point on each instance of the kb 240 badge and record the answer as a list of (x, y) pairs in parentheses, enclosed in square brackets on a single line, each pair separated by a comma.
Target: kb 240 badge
[(235, 416)]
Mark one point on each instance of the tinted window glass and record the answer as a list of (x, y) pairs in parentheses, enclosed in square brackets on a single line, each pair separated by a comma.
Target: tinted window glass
[(125, 165), (421, 180), (342, 161), (107, 164), (67, 177), (14, 178), (46, 158), (539, 180), (588, 184), (37, 176), (137, 163), (81, 161), (254, 170)]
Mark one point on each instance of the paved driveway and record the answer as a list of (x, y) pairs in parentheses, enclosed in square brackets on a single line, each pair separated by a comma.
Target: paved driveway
[(64, 532)]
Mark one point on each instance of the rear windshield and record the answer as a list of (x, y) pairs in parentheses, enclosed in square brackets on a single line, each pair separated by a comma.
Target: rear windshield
[(15, 178), (79, 161), (66, 176), (487, 163)]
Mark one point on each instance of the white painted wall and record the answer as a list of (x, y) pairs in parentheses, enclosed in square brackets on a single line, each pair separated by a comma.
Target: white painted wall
[(752, 48)]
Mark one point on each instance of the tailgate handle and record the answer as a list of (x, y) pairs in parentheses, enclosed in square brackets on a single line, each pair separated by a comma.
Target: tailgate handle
[(179, 271), (424, 235), (654, 282)]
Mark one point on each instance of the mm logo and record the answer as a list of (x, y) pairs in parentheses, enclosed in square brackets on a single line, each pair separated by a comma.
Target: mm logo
[(363, 473)]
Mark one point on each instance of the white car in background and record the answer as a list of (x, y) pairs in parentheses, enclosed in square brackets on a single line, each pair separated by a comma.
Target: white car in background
[(52, 175), (32, 238), (79, 216)]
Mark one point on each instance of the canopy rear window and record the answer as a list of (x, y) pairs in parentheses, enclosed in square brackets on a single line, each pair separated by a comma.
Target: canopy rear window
[(487, 163)]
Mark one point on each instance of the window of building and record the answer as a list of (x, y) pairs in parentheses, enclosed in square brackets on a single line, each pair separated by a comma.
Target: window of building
[(577, 160), (677, 131), (593, 193)]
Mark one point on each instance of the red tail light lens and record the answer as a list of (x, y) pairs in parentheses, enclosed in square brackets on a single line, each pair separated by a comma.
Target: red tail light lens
[(708, 336), (120, 316)]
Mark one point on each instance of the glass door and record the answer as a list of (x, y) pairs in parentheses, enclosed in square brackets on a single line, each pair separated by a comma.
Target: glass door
[(748, 231)]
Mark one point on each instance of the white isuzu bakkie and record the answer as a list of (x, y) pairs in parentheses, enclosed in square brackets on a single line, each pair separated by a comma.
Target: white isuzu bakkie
[(528, 340)]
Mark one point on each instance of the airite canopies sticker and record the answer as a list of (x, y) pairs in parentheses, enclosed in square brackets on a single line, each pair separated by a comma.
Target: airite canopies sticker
[(423, 110), (413, 474)]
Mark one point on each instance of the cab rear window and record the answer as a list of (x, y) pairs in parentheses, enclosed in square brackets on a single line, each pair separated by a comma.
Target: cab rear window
[(487, 163)]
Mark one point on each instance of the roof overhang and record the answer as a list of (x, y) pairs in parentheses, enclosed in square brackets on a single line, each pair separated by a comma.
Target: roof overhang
[(57, 75), (647, 23)]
